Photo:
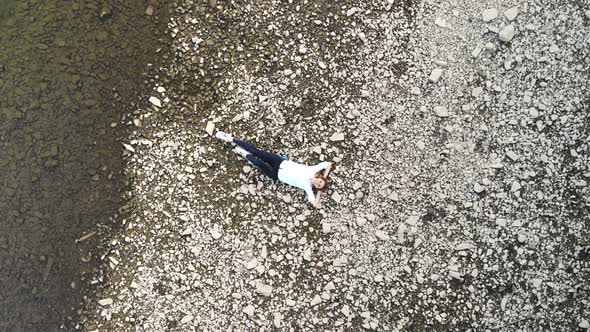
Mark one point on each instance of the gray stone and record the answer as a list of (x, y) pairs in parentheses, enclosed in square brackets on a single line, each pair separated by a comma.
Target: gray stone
[(489, 15), (381, 235), (435, 75), (441, 111), (507, 33), (475, 92), (105, 302), (316, 300), (465, 246), (513, 156), (263, 289), (412, 220), (186, 319), (511, 13), (252, 264), (210, 128), (478, 188), (155, 101), (277, 320), (215, 233), (249, 310), (336, 197), (337, 137), (584, 324)]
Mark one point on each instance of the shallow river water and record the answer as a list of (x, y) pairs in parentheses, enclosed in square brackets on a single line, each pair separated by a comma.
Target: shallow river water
[(69, 71)]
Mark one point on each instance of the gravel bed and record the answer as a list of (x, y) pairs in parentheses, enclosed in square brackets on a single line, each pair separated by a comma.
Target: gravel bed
[(460, 198)]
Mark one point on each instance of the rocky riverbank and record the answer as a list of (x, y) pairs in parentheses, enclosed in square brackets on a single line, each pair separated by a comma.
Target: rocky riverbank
[(460, 197)]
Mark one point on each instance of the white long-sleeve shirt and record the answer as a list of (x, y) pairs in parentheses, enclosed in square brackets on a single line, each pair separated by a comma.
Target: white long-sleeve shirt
[(300, 176)]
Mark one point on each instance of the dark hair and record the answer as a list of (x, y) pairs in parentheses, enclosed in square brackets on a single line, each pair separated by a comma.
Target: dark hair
[(325, 183)]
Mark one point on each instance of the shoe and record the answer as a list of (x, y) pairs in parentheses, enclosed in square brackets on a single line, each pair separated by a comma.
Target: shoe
[(224, 136), (241, 151)]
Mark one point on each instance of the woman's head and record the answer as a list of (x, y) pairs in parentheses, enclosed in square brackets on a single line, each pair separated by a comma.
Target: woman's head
[(319, 182)]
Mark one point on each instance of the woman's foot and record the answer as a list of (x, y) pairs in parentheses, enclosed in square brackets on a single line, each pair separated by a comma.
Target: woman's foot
[(241, 151), (224, 136)]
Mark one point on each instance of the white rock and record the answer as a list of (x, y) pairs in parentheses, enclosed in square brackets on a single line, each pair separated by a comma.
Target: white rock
[(489, 15), (337, 137), (330, 286), (476, 51), (465, 246), (252, 264), (128, 147), (478, 188), (521, 238), (381, 235), (155, 101), (336, 197), (455, 275), (210, 127), (588, 14), (277, 320), (378, 278), (105, 302), (316, 300), (501, 222), (435, 75), (249, 310), (441, 22), (584, 324), (161, 89), (345, 310), (215, 233), (537, 282), (326, 227), (515, 186), (263, 289), (475, 92), (513, 156), (394, 196), (511, 13), (415, 91), (186, 319), (352, 11), (507, 33), (441, 111), (413, 220)]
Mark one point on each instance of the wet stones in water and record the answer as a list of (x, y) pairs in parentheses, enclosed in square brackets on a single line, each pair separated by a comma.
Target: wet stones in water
[(105, 13)]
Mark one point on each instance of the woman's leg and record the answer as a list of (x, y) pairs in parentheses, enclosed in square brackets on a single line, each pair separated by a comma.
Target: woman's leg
[(270, 158), (265, 168)]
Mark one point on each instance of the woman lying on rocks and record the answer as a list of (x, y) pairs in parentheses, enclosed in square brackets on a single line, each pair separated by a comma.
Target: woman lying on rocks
[(280, 168)]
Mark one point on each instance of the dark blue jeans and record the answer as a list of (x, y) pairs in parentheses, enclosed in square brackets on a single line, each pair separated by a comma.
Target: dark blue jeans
[(268, 163)]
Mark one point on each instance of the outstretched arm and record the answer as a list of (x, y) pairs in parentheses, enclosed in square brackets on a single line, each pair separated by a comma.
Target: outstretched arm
[(327, 170), (317, 204), (313, 199)]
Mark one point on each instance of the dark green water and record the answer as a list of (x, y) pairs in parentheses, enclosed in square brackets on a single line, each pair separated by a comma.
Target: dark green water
[(68, 69)]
